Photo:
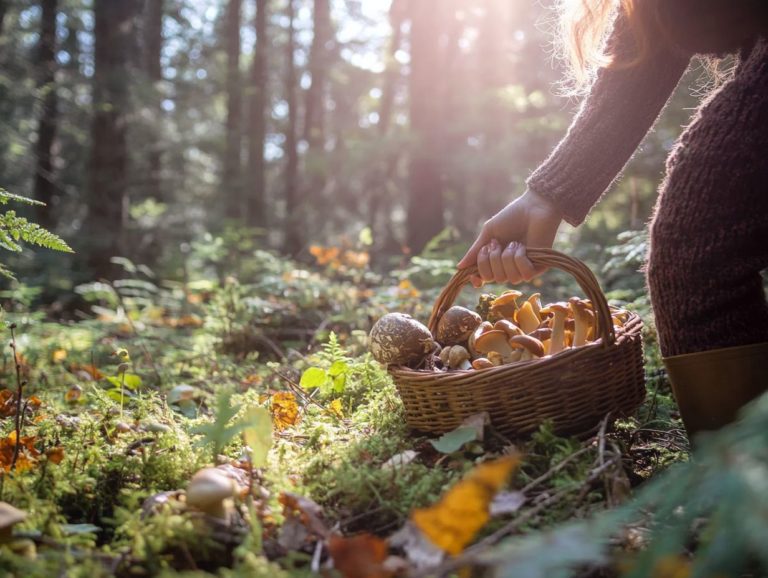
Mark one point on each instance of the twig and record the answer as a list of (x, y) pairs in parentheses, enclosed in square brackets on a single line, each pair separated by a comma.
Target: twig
[(297, 389), (19, 391), (552, 471)]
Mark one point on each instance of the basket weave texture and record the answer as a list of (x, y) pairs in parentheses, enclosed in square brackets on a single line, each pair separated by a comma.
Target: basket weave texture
[(574, 389)]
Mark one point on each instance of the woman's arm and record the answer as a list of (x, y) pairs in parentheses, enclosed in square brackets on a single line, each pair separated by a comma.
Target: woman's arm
[(613, 119)]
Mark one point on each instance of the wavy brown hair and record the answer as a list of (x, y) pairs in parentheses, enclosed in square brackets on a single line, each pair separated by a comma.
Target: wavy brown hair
[(585, 25)]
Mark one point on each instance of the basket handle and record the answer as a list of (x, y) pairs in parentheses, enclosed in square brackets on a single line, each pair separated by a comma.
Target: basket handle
[(541, 257)]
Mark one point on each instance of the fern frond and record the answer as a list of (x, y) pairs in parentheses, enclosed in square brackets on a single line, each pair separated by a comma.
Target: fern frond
[(5, 197), (5, 272), (14, 228)]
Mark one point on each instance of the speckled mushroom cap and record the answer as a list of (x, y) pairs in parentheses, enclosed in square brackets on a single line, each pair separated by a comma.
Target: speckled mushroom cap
[(398, 339), (456, 325)]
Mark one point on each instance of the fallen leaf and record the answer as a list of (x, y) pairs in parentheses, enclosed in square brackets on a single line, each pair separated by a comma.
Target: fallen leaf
[(453, 522), (454, 440), (59, 355), (421, 552), (27, 457), (88, 372), (337, 409), (285, 410), (506, 503), (361, 556), (55, 455), (307, 511), (7, 403), (74, 393)]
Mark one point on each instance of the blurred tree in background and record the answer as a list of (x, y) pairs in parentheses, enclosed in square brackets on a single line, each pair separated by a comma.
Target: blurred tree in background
[(144, 124)]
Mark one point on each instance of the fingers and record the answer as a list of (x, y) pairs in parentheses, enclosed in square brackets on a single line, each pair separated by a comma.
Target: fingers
[(484, 269), (517, 266), (472, 254), (497, 267)]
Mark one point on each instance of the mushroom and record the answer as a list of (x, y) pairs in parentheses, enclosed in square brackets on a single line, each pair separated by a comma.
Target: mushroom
[(583, 317), (560, 311), (456, 325), (495, 358), (508, 327), (531, 346), (542, 333), (482, 363), (482, 328), (535, 301), (496, 341), (398, 339), (506, 304), (457, 356), (208, 491), (9, 517), (526, 318)]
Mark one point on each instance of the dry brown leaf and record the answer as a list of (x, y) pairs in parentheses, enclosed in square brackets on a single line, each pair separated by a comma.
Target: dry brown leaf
[(285, 410), (55, 455), (361, 556), (27, 453), (453, 522), (307, 512)]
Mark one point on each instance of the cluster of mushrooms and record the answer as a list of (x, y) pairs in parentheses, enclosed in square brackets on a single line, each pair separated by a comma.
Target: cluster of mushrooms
[(505, 329)]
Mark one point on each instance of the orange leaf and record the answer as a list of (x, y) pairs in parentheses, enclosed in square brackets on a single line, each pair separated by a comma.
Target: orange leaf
[(59, 355), (7, 403), (87, 371), (285, 410), (452, 523), (55, 455), (73, 394), (359, 556), (27, 452)]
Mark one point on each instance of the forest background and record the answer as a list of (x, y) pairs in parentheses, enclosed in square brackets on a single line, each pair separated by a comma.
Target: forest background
[(149, 126)]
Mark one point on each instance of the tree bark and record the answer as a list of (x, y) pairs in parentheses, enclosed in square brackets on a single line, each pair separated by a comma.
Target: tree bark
[(425, 203), (107, 192), (45, 189), (3, 10), (256, 205), (294, 218), (232, 162), (153, 46), (319, 63)]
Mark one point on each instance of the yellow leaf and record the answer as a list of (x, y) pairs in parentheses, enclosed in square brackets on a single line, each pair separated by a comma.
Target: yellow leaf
[(673, 566), (336, 408), (55, 455), (454, 521), (285, 410), (59, 355)]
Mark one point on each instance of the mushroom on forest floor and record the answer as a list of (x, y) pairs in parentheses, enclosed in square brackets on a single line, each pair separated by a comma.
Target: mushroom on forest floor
[(398, 339), (208, 491), (9, 517)]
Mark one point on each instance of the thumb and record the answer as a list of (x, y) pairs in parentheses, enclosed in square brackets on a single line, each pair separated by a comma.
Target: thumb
[(471, 256)]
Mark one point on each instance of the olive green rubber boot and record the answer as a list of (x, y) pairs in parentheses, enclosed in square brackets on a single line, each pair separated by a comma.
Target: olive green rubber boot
[(711, 386)]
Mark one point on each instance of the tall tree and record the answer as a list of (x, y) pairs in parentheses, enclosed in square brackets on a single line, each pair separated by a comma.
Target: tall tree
[(152, 51), (320, 59), (425, 201), (3, 10), (294, 216), (45, 183), (233, 150), (107, 191), (259, 107)]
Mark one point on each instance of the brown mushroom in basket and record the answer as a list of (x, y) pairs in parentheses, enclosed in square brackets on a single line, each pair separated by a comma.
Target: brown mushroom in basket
[(508, 327), (482, 363), (495, 341), (458, 358), (584, 319), (482, 328), (456, 325), (398, 339), (535, 301), (560, 311), (526, 318), (506, 304), (532, 347)]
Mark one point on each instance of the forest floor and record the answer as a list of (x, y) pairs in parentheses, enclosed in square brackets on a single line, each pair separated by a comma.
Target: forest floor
[(271, 383)]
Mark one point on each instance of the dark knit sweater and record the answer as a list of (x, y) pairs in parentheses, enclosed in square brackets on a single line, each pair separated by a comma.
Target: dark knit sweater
[(623, 104)]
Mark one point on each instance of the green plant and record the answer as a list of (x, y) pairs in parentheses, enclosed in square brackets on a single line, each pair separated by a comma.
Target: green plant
[(15, 229)]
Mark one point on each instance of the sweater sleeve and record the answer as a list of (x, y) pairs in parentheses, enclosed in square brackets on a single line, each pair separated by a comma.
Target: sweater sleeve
[(612, 120)]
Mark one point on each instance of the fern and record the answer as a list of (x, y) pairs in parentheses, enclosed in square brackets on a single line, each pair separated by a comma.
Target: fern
[(15, 230)]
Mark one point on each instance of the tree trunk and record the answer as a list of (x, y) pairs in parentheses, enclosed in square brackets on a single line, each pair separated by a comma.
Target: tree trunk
[(232, 162), (113, 34), (425, 203), (256, 206), (3, 10), (45, 183), (153, 46), (319, 63), (294, 218)]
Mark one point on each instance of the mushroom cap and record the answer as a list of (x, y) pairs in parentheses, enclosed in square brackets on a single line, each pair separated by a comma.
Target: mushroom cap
[(456, 325), (208, 488), (559, 307), (527, 318), (10, 515), (457, 356), (494, 340), (482, 363), (506, 303), (531, 344), (507, 327), (542, 333), (399, 339), (482, 328)]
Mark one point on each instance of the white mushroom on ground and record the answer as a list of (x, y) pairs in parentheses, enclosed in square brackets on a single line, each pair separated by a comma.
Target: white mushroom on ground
[(456, 325), (398, 339), (9, 517), (209, 491)]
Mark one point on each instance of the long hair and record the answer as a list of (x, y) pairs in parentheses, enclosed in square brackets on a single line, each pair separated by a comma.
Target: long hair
[(584, 26)]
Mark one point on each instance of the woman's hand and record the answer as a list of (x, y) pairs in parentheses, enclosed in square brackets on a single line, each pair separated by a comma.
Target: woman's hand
[(499, 250)]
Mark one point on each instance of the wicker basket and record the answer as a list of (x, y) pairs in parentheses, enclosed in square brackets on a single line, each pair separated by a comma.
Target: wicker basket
[(575, 389)]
